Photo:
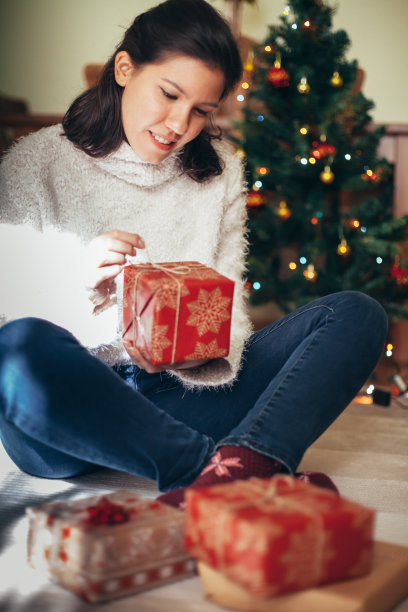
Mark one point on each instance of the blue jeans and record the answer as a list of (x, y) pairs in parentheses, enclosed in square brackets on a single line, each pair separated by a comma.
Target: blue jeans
[(63, 412)]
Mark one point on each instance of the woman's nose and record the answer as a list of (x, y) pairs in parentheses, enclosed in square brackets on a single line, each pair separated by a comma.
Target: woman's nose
[(178, 121)]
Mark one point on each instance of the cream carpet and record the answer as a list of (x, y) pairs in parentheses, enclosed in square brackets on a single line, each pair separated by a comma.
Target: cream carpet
[(365, 452)]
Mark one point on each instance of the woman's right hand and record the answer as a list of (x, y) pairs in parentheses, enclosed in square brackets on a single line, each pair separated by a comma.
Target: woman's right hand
[(107, 254)]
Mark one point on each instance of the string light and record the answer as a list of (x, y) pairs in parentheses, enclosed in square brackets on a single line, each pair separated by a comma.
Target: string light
[(307, 24), (268, 48), (379, 260), (303, 260), (389, 350), (258, 184), (245, 85), (292, 265), (283, 210), (286, 10), (260, 118), (347, 156), (240, 98), (256, 285), (303, 130), (294, 26), (314, 220), (310, 273), (303, 161), (312, 160), (262, 170)]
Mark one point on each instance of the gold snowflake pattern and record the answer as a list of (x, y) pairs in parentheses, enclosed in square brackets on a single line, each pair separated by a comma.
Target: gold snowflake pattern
[(159, 342), (206, 351), (204, 273), (307, 554), (209, 311), (168, 292)]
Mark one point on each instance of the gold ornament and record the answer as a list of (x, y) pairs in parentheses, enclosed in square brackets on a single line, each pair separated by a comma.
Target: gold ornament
[(310, 273), (283, 210), (336, 79), (343, 248), (303, 87), (327, 176)]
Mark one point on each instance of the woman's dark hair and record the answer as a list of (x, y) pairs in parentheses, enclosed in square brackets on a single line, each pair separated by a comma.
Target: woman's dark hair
[(175, 27)]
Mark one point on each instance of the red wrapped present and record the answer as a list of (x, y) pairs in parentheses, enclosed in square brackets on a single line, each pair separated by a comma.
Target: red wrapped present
[(278, 535), (108, 546), (177, 312), (379, 591)]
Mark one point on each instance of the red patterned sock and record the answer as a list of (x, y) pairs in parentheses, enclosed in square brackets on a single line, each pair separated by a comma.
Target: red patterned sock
[(227, 464), (318, 479)]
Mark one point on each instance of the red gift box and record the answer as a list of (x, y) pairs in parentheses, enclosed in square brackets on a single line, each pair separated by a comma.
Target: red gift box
[(178, 311), (278, 535), (108, 546)]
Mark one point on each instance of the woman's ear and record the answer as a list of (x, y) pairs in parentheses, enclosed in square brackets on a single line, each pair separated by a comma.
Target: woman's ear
[(123, 68)]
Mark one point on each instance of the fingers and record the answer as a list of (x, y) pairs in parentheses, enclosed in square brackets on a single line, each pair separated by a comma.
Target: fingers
[(107, 254), (104, 274), (138, 359)]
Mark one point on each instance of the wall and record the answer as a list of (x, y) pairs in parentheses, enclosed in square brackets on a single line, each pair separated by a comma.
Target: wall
[(44, 45)]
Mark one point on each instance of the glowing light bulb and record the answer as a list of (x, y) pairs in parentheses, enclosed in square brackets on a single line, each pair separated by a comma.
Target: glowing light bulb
[(240, 98), (245, 85), (256, 285)]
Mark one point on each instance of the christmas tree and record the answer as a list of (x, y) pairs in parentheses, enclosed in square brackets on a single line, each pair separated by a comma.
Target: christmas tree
[(320, 199)]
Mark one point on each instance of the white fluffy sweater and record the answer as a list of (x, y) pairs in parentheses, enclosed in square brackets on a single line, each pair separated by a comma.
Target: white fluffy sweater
[(55, 199)]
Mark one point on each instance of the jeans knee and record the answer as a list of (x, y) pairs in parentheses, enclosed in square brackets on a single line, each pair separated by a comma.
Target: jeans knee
[(24, 344), (366, 315), (25, 332)]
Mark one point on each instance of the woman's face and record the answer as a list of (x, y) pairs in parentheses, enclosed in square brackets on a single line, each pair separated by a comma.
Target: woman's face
[(166, 104)]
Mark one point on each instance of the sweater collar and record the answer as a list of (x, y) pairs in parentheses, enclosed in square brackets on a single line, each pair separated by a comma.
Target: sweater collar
[(127, 166)]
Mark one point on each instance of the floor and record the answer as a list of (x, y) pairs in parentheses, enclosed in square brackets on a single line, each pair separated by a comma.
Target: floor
[(365, 452)]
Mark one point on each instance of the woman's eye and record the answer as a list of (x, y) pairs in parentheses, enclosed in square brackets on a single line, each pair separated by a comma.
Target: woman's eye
[(201, 112), (168, 95)]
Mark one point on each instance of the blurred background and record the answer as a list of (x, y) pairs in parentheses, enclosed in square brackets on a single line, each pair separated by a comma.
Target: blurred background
[(45, 44)]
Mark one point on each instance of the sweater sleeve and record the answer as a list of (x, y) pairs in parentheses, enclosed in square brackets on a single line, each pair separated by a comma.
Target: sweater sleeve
[(230, 261), (42, 269)]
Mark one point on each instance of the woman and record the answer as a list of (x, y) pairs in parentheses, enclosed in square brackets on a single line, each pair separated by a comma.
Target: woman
[(134, 165)]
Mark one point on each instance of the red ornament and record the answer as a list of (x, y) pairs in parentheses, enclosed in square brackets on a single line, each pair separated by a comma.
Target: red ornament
[(399, 274), (278, 77), (255, 198), (322, 149), (106, 513)]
